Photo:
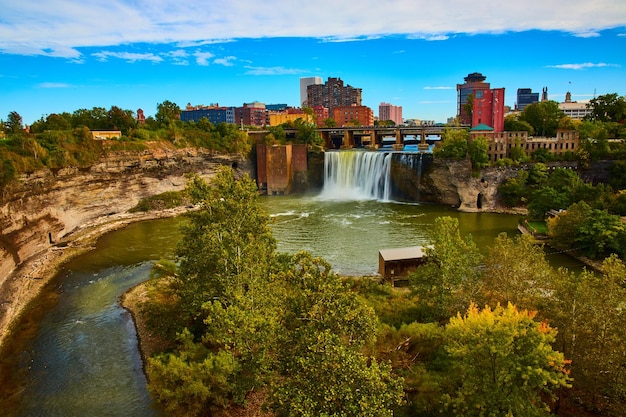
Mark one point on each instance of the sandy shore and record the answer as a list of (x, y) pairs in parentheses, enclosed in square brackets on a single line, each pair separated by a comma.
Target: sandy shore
[(26, 282)]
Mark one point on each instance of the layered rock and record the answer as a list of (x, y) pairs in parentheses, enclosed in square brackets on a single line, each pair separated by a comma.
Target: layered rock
[(450, 183), (46, 212)]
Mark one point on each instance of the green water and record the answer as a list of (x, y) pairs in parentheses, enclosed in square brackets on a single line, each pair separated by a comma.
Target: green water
[(78, 353)]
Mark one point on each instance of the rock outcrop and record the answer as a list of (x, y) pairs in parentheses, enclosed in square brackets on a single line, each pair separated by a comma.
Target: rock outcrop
[(45, 211), (450, 183)]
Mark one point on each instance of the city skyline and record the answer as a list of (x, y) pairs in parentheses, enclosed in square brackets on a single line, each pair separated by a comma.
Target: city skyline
[(62, 56)]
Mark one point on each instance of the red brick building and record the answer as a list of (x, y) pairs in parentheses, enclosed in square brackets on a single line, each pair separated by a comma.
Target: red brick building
[(333, 93), (321, 113), (488, 108), (252, 114), (349, 115)]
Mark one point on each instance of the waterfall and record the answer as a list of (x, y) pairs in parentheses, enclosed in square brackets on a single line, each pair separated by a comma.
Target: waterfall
[(357, 175)]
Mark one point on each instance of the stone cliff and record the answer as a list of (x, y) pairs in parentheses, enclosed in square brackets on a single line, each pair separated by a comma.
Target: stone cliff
[(43, 214), (450, 183)]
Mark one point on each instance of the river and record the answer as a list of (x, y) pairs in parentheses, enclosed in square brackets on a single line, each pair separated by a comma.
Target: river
[(76, 354)]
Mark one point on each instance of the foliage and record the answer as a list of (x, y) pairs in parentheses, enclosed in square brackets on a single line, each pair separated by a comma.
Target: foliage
[(450, 278), (513, 190), (516, 271), (607, 108), (166, 200), (14, 124), (167, 113), (233, 299), (323, 371), (589, 311), (543, 116), (226, 245), (477, 152), (453, 144), (502, 363), (512, 123), (593, 232), (194, 380), (227, 312)]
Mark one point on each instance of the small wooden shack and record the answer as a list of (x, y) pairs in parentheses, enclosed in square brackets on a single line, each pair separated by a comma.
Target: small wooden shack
[(396, 264)]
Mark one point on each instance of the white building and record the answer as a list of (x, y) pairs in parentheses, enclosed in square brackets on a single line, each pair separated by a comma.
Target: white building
[(574, 109), (304, 83)]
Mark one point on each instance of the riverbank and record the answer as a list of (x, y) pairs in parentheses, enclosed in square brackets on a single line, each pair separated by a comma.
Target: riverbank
[(26, 282)]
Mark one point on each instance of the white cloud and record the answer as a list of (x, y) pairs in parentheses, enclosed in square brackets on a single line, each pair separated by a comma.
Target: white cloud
[(273, 71), (60, 27), (53, 85), (128, 56), (584, 65), (202, 58), (227, 61)]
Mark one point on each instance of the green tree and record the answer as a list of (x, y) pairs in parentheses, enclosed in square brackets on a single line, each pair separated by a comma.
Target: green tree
[(307, 133), (543, 116), (564, 227), (225, 296), (450, 277), (590, 315), (516, 271), (453, 144), (330, 122), (502, 363), (545, 199), (592, 232), (167, 113), (226, 244), (14, 124), (322, 370), (513, 190), (122, 120), (512, 123), (538, 174), (477, 152), (607, 108)]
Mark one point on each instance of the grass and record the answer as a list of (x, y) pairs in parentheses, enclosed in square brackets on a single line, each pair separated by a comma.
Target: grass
[(538, 228)]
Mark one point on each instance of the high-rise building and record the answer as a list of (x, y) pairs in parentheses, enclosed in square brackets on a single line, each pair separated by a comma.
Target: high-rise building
[(525, 96), (332, 94), (488, 108), (304, 83), (387, 111), (473, 81)]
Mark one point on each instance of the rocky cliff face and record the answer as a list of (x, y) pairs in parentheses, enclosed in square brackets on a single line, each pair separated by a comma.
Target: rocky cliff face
[(450, 183), (46, 208)]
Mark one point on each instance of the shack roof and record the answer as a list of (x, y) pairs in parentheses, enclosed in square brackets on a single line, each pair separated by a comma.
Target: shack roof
[(411, 252)]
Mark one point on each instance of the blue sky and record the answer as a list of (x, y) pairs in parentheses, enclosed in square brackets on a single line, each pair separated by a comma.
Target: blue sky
[(63, 55)]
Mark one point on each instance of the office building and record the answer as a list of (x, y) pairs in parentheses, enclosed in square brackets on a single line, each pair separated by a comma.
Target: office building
[(525, 96), (473, 82), (304, 83)]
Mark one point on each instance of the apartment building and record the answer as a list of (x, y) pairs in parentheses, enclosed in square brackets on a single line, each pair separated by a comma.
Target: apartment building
[(333, 93)]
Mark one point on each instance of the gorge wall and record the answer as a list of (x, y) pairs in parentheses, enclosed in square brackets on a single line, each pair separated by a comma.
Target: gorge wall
[(450, 183), (43, 213)]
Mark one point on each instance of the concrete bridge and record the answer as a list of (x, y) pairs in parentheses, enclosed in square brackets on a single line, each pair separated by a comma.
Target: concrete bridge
[(356, 136), (375, 136)]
